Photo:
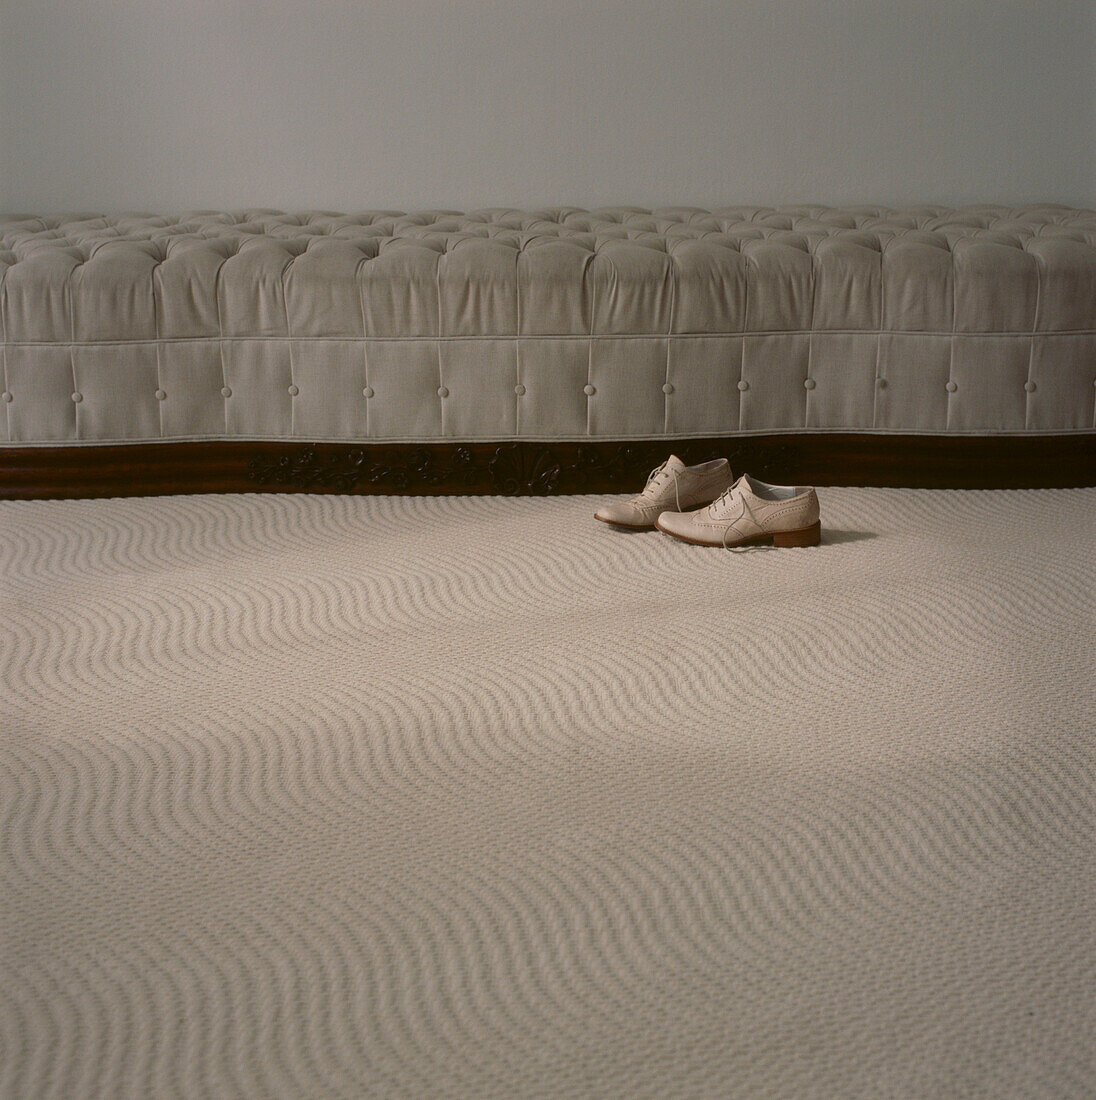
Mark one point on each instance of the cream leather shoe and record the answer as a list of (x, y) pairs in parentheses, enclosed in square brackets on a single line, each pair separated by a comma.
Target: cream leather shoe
[(671, 485), (749, 512)]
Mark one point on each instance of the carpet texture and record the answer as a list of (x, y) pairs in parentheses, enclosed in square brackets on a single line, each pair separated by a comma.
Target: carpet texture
[(475, 797)]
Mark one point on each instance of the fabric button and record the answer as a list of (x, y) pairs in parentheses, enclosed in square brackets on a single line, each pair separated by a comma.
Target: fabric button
[(881, 383), (667, 388), (160, 395), (443, 391), (367, 392), (293, 391), (588, 390), (519, 389), (226, 392), (1029, 386), (743, 385), (5, 396), (78, 397), (951, 387), (809, 384)]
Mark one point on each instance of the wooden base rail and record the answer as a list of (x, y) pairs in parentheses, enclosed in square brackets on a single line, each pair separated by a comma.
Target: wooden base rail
[(528, 468)]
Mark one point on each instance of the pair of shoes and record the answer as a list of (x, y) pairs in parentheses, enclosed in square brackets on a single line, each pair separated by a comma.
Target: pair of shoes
[(713, 509)]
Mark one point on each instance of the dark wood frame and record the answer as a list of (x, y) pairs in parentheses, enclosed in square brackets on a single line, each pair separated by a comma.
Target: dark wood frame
[(540, 468)]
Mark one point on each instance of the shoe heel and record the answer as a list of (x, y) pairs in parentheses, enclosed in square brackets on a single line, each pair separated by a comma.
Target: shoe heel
[(808, 536)]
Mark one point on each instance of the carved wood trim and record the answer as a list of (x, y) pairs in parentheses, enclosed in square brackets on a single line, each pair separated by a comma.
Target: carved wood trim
[(518, 468)]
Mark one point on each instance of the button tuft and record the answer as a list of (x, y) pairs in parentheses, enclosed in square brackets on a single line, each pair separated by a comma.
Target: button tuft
[(588, 390), (5, 396), (367, 392), (881, 383), (226, 392), (78, 397), (160, 395), (519, 389), (667, 387), (743, 385), (1029, 386), (951, 387), (443, 391), (809, 384)]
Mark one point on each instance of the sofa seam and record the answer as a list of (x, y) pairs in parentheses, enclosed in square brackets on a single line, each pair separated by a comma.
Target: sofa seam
[(757, 334)]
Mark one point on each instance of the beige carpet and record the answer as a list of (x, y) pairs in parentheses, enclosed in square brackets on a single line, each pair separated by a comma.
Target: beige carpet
[(331, 796)]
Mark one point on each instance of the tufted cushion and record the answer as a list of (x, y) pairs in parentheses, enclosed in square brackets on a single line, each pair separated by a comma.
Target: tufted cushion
[(558, 323)]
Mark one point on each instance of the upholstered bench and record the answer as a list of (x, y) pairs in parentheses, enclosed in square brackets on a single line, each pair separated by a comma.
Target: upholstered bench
[(242, 336)]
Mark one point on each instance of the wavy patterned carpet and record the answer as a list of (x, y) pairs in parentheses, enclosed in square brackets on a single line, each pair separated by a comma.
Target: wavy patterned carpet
[(333, 796)]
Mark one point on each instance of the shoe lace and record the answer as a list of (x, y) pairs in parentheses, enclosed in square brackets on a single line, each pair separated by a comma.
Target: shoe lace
[(652, 477), (726, 495), (751, 549)]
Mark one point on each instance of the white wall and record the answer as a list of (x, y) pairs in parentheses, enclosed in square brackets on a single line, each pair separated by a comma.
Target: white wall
[(346, 104)]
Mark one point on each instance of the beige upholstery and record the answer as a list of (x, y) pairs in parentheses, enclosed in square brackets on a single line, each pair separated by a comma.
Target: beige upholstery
[(550, 324)]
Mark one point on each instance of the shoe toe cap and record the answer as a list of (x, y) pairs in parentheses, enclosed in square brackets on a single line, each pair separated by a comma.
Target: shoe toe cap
[(675, 523), (626, 515)]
